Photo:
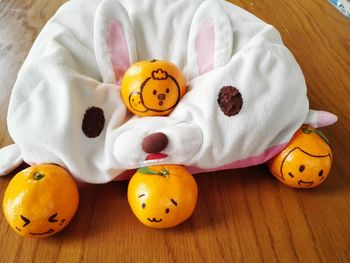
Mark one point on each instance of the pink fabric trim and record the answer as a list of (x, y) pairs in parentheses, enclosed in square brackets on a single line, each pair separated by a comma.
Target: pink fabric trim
[(118, 49), (325, 118), (250, 161), (205, 45)]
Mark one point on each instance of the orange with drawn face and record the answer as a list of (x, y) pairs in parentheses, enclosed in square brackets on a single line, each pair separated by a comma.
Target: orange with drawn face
[(305, 162), (40, 201), (152, 88), (162, 196)]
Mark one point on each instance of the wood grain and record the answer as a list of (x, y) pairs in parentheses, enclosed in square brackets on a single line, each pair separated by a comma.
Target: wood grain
[(242, 215)]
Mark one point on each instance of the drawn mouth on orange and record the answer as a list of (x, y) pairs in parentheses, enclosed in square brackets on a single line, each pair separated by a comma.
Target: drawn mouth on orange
[(155, 156), (44, 233), (153, 220), (301, 182)]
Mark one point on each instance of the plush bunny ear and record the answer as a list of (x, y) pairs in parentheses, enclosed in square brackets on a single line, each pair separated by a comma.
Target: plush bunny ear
[(114, 41), (210, 39), (318, 119)]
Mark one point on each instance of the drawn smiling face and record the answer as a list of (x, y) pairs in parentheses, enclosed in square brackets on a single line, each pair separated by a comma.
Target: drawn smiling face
[(156, 213), (162, 196), (40, 200), (161, 92), (135, 102), (39, 227), (305, 162), (300, 169), (152, 88)]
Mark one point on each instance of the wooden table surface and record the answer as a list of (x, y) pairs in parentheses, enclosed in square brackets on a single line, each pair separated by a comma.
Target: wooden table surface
[(242, 215)]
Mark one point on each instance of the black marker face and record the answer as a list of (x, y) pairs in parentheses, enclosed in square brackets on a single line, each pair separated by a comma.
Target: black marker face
[(158, 214), (310, 172), (53, 223), (136, 103), (160, 92)]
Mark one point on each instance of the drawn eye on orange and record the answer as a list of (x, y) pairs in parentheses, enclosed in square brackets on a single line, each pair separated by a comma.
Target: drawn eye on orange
[(26, 221), (143, 205), (52, 219), (174, 203)]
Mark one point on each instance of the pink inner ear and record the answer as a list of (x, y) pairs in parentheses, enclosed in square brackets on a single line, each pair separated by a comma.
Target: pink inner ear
[(205, 45), (325, 118), (118, 49)]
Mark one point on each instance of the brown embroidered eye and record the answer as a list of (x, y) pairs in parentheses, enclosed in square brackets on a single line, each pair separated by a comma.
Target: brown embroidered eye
[(230, 101), (301, 168), (143, 205), (320, 173), (167, 210), (93, 122), (154, 92)]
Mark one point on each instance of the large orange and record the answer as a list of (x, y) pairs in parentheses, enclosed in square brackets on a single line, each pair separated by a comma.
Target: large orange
[(152, 87), (40, 200), (305, 162), (162, 196)]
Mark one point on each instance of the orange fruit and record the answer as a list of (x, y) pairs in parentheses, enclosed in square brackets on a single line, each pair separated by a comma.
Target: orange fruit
[(152, 88), (162, 196), (305, 162), (40, 200)]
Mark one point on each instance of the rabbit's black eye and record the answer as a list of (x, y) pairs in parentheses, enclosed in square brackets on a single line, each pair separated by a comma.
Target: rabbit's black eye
[(93, 122)]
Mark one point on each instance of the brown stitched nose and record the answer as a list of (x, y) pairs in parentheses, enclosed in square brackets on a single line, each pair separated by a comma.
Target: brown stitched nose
[(155, 143), (161, 96)]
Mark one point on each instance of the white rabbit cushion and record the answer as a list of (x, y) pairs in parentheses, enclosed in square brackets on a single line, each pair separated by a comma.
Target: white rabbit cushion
[(246, 93)]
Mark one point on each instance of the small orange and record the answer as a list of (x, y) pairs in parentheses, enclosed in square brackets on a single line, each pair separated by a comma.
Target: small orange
[(152, 88), (162, 196), (40, 200), (305, 162)]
